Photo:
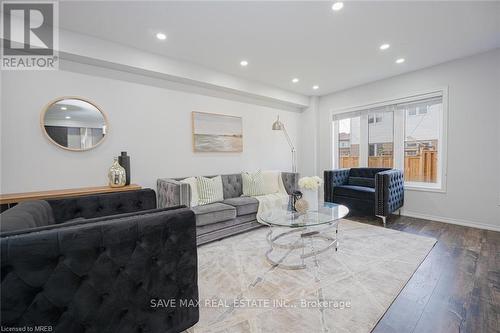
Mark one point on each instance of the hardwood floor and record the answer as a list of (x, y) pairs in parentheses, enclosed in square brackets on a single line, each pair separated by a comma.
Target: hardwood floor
[(455, 289)]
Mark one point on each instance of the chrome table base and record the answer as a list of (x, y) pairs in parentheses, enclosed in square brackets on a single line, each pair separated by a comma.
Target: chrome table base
[(305, 233)]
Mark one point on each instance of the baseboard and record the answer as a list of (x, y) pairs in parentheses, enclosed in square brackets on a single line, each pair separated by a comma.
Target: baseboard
[(465, 223)]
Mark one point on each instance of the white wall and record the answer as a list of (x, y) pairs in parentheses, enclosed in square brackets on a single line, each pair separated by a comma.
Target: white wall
[(151, 123), (473, 177)]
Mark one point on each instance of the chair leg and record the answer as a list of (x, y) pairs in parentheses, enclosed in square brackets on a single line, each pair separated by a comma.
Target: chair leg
[(384, 218)]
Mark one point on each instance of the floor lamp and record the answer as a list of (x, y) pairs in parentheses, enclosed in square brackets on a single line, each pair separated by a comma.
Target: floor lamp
[(278, 126)]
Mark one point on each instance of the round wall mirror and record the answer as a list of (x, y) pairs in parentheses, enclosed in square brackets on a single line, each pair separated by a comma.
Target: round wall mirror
[(74, 123)]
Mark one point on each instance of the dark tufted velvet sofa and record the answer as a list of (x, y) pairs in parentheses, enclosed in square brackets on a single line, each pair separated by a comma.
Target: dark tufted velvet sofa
[(98, 263), (371, 191), (235, 214)]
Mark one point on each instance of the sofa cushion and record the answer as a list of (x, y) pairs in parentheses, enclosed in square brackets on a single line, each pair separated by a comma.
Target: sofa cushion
[(351, 191), (253, 183), (26, 215), (362, 181), (213, 213), (209, 190), (243, 205)]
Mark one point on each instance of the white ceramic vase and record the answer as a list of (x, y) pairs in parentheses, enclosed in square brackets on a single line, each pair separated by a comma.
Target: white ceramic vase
[(312, 198)]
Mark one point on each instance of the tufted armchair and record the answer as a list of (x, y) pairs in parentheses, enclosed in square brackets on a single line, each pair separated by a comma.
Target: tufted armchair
[(372, 191), (98, 263)]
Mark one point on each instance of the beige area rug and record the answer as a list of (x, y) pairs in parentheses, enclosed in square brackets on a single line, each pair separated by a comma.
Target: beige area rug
[(344, 291)]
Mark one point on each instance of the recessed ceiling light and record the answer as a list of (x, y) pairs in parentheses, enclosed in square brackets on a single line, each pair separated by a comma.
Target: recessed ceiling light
[(400, 60), (67, 117), (315, 87), (161, 36), (295, 80), (384, 46), (64, 108), (244, 63), (337, 6)]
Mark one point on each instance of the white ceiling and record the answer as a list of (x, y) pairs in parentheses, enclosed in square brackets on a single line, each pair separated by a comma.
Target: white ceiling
[(282, 40)]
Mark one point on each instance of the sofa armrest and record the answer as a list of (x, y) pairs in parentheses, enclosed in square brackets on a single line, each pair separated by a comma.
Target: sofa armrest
[(334, 178), (111, 269), (389, 191), (172, 192)]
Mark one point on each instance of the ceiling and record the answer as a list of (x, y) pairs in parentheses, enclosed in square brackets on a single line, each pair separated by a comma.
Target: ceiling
[(282, 40)]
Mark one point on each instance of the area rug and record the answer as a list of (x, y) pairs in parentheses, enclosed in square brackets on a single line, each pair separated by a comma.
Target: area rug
[(347, 290)]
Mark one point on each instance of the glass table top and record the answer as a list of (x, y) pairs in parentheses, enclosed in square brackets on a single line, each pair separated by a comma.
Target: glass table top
[(326, 213)]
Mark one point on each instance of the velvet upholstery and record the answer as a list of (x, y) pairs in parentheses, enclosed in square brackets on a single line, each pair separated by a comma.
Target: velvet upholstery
[(390, 194), (99, 274), (351, 191), (212, 223), (345, 186), (25, 215), (243, 205), (96, 205), (361, 181), (213, 213)]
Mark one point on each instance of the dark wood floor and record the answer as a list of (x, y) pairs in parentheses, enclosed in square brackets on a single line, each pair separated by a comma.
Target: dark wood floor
[(455, 289)]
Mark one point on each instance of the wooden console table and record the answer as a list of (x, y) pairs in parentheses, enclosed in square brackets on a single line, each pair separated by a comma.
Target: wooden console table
[(14, 198)]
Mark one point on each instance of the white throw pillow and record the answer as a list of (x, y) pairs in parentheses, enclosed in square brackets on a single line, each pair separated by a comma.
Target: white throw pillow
[(193, 185), (210, 190), (271, 181), (253, 183)]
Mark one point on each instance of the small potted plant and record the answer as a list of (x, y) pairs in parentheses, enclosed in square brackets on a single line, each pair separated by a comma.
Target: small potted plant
[(309, 187)]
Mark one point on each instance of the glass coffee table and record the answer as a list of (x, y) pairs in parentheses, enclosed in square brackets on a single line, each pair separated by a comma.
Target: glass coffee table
[(293, 237)]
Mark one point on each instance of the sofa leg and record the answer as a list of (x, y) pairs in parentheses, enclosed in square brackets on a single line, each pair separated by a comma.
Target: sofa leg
[(384, 218)]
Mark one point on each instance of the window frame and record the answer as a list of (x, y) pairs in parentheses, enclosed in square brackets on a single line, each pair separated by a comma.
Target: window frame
[(398, 135)]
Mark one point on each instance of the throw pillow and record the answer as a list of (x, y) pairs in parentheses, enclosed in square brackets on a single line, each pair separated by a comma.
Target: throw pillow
[(271, 181), (253, 184), (193, 185), (209, 190), (362, 181)]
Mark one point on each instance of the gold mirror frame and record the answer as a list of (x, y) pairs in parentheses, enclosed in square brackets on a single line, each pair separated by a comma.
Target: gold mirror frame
[(54, 101)]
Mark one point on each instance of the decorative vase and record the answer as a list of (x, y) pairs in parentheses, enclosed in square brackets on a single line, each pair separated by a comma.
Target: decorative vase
[(116, 174), (312, 198), (124, 161), (301, 206)]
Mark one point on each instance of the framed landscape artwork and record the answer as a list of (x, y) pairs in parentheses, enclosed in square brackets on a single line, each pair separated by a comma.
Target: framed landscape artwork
[(217, 133)]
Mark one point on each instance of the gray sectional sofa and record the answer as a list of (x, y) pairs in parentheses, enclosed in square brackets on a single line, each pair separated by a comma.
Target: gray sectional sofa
[(235, 214)]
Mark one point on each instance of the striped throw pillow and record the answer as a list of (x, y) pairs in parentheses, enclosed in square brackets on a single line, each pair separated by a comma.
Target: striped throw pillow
[(253, 184), (210, 190)]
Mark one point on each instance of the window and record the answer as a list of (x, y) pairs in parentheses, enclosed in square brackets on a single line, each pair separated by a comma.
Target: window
[(408, 135), (422, 136), (380, 141), (348, 142)]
